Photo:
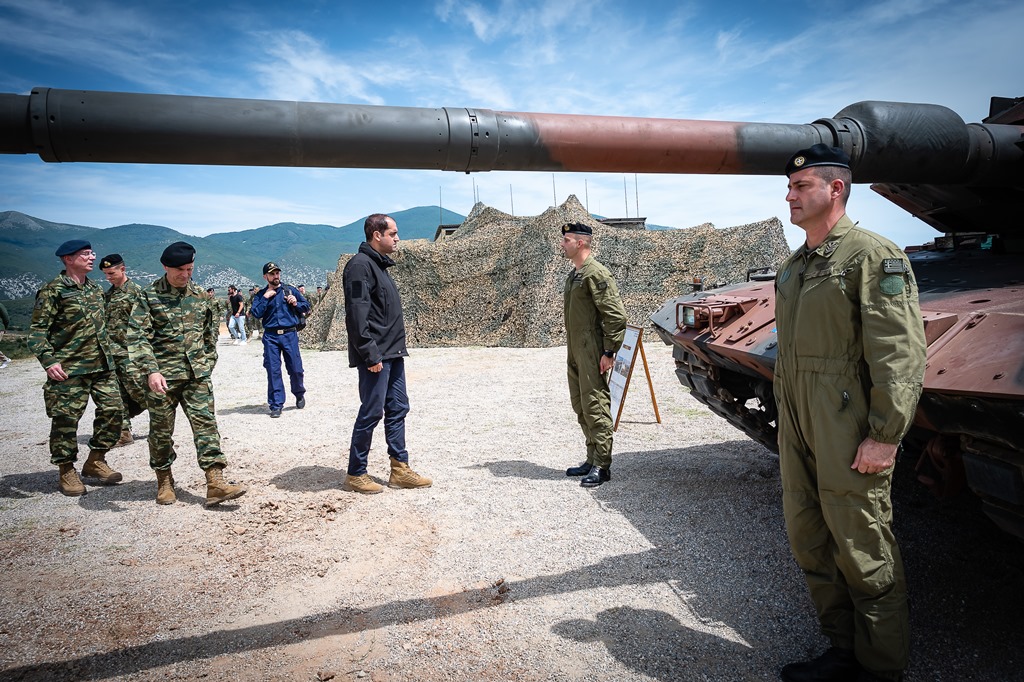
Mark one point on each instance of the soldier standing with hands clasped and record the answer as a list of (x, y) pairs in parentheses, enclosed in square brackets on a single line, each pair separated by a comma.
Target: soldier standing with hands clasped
[(848, 376), (595, 325), (279, 307)]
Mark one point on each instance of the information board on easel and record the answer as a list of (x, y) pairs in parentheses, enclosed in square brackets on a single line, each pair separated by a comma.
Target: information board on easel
[(622, 371)]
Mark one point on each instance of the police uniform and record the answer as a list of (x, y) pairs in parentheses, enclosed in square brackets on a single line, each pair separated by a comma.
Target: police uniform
[(119, 304), (595, 322), (281, 338), (851, 354), (68, 328)]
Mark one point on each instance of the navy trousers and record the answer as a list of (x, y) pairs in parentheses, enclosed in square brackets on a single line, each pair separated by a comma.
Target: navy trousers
[(275, 346), (382, 394)]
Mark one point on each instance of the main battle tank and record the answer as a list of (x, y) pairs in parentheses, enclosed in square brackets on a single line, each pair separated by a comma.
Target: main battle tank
[(967, 181)]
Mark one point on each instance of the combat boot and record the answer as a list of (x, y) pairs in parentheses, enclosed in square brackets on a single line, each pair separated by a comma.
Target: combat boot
[(835, 665), (70, 484), (404, 477), (218, 489), (96, 467), (165, 487), (362, 484), (126, 438)]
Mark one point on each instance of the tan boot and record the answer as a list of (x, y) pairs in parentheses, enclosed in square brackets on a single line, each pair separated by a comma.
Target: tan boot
[(165, 487), (69, 482), (218, 489), (362, 484), (96, 467), (404, 477), (126, 438)]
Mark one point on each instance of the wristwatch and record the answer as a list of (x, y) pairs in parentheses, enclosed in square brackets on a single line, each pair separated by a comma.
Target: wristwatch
[(609, 354)]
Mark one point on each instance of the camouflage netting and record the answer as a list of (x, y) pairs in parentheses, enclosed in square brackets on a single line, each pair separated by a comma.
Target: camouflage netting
[(497, 281)]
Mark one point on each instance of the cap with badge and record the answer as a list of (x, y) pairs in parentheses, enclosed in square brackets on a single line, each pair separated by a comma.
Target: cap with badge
[(71, 246), (270, 267), (110, 261), (817, 155), (178, 254), (577, 228)]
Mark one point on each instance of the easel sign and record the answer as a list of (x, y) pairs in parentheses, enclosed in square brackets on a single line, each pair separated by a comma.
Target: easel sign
[(622, 370)]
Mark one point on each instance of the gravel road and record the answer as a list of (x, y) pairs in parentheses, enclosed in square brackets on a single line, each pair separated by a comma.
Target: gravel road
[(678, 569)]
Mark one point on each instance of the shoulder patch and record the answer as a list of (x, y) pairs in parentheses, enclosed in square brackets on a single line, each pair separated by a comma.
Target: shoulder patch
[(894, 266), (891, 285), (602, 285)]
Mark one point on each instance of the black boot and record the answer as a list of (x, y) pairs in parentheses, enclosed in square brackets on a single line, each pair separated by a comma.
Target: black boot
[(582, 470), (596, 477), (835, 665)]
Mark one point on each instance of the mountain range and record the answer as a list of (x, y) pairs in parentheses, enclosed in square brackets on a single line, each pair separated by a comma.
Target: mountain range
[(306, 253)]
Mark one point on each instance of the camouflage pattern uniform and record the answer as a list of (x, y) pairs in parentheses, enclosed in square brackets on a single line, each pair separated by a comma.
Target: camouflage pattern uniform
[(68, 328), (595, 321), (120, 301), (252, 323), (174, 332)]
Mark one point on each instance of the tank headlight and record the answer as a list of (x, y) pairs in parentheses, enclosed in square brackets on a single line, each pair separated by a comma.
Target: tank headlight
[(689, 317)]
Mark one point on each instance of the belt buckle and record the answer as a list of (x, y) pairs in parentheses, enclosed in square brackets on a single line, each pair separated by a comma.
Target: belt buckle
[(280, 331)]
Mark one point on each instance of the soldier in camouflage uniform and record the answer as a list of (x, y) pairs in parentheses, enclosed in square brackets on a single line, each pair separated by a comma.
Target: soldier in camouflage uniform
[(848, 376), (253, 324), (595, 325), (69, 337), (219, 307), (173, 341), (121, 298)]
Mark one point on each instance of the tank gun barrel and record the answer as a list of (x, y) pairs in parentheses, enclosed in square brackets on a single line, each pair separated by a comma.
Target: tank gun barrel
[(887, 142)]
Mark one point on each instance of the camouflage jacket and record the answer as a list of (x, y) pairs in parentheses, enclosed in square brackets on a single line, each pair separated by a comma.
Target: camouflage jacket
[(173, 331), (68, 327), (120, 302)]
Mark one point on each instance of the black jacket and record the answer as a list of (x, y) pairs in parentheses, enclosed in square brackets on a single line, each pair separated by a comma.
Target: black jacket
[(373, 310)]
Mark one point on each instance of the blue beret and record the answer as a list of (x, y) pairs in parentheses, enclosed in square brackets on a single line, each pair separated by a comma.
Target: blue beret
[(818, 155), (72, 246), (178, 254), (577, 228)]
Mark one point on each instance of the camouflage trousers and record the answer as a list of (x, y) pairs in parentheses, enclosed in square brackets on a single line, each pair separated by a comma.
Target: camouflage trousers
[(133, 394), (65, 404), (252, 324), (196, 399)]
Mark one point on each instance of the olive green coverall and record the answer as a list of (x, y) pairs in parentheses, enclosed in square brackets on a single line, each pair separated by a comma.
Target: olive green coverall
[(850, 365), (595, 321)]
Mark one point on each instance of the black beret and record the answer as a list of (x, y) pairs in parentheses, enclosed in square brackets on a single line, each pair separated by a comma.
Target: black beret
[(178, 254), (270, 267), (110, 261), (818, 155), (72, 246), (576, 228)]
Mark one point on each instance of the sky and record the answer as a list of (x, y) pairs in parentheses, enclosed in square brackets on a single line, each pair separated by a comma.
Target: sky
[(789, 62)]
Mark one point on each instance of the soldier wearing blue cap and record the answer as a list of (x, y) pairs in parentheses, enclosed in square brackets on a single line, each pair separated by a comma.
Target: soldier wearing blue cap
[(595, 325), (848, 376), (68, 335)]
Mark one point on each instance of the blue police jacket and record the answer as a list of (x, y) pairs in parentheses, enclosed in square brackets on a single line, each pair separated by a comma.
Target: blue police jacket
[(276, 312)]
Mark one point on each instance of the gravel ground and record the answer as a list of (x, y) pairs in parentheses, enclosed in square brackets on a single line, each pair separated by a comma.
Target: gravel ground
[(678, 569)]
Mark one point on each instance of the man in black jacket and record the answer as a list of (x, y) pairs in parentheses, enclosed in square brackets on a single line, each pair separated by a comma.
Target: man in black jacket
[(376, 347)]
